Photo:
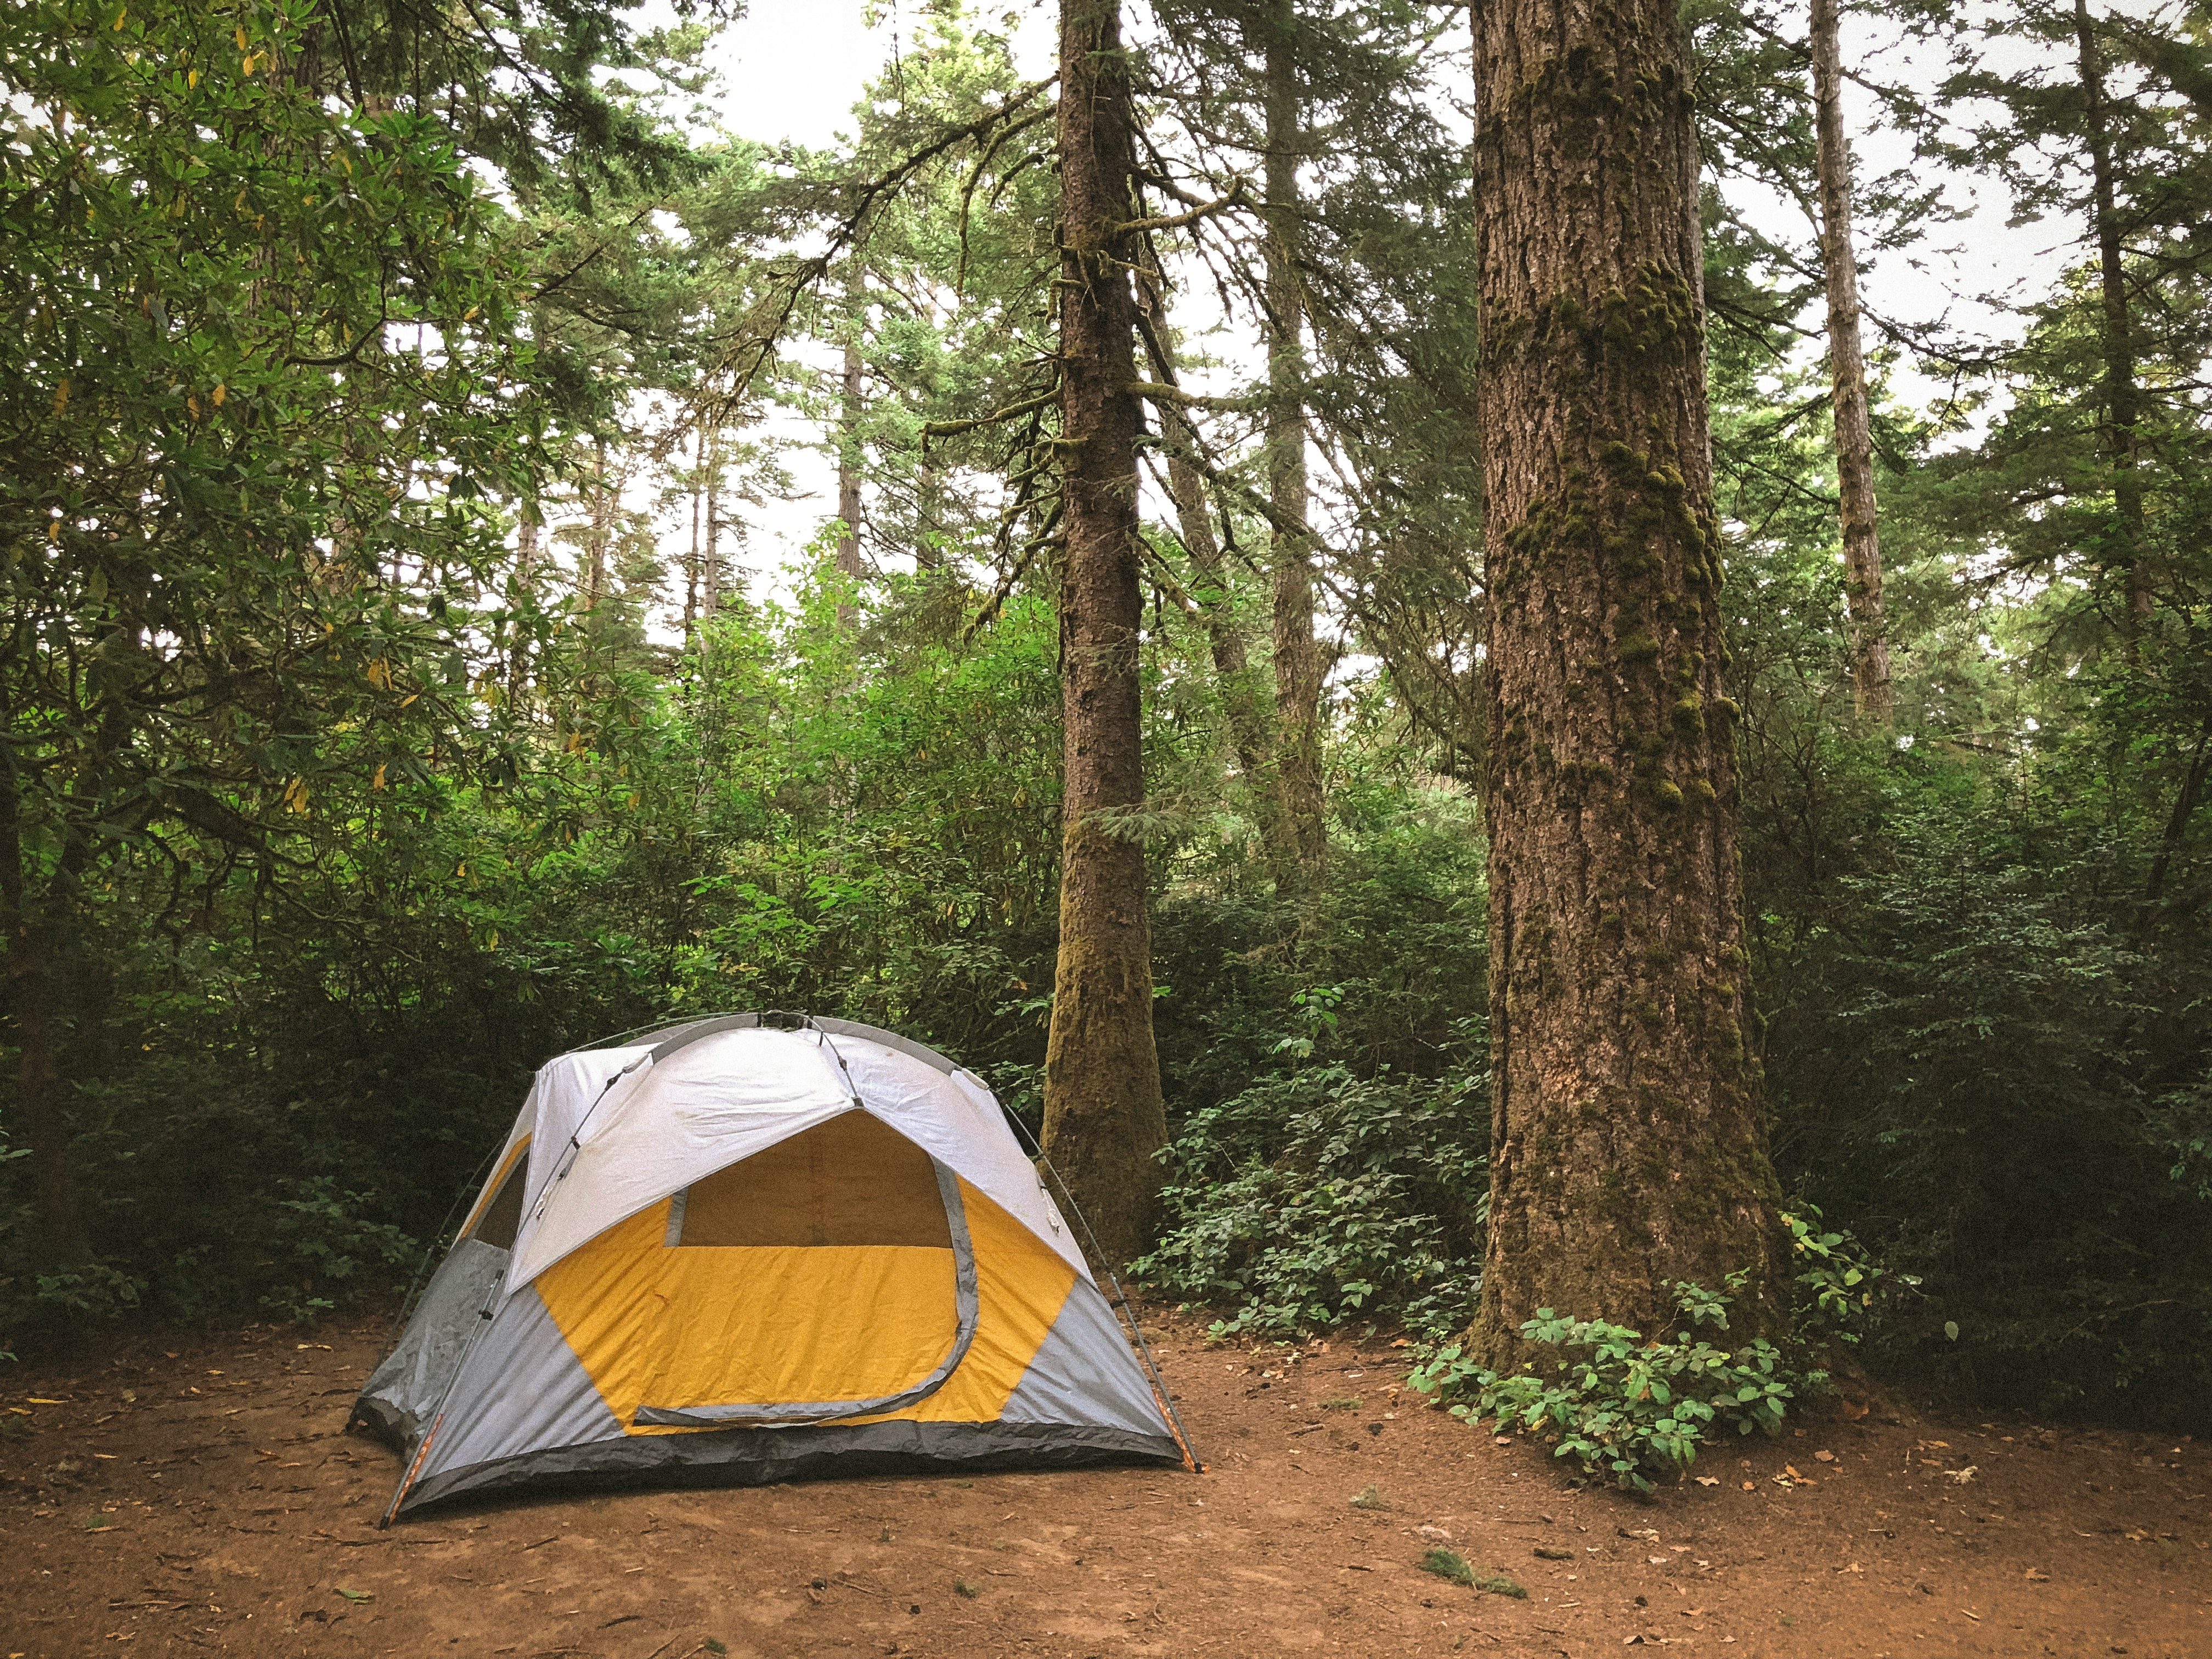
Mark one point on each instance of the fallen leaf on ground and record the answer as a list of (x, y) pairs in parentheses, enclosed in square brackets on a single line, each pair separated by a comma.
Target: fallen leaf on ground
[(354, 1595), (2036, 1576), (1825, 1457), (1709, 1480)]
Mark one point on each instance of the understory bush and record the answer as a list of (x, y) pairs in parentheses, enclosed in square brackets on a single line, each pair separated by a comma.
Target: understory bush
[(1313, 1198), (1628, 1406)]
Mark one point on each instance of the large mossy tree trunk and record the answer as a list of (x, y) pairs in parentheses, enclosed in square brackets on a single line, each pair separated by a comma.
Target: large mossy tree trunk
[(1297, 654), (1104, 1119), (1862, 597), (1629, 1142)]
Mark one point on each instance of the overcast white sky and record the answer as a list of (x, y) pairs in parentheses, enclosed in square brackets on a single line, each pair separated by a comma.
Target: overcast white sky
[(794, 69)]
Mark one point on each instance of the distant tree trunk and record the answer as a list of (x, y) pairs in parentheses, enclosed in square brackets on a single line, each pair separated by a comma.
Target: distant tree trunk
[(710, 579), (1628, 1143), (1298, 658), (35, 979), (2177, 823), (849, 437), (691, 564), (1242, 695), (2123, 398), (1870, 684), (1104, 1119), (595, 566), (527, 531)]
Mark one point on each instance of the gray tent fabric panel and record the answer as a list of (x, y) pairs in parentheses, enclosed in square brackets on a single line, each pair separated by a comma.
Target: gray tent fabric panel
[(761, 1457), (668, 1039), (405, 1390), (522, 1389), (1083, 1373)]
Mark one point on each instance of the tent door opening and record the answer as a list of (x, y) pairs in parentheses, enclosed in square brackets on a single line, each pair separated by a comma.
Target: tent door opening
[(828, 1277)]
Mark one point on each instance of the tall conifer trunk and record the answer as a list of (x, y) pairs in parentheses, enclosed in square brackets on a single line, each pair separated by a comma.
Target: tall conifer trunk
[(2123, 398), (1297, 658), (1870, 684), (710, 579), (1243, 692), (848, 435), (1628, 1143), (1104, 1120)]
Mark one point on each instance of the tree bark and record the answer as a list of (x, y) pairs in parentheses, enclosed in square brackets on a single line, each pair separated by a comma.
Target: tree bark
[(2123, 398), (691, 565), (1870, 685), (1104, 1119), (1243, 696), (1298, 658), (526, 533), (1628, 1140), (595, 568), (710, 581), (848, 439), (58, 1237)]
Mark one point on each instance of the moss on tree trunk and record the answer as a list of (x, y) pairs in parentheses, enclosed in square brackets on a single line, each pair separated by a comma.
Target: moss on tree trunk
[(1104, 1120), (1629, 1141)]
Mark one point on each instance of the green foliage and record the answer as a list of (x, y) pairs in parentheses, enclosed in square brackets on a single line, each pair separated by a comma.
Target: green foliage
[(1627, 1407), (1842, 1287), (1312, 1199), (318, 1231), (1452, 1566)]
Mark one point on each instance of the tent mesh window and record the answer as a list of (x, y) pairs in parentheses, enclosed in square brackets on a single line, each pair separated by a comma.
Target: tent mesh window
[(851, 1181), (502, 1216)]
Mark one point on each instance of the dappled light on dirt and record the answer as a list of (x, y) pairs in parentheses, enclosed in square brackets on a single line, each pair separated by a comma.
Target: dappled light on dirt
[(201, 1496)]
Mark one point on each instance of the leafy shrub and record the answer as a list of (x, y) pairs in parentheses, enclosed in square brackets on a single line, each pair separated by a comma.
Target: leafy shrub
[(1311, 1197), (320, 1234), (1628, 1406)]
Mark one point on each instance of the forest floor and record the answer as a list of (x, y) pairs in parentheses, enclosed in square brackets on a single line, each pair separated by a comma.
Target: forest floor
[(199, 1493)]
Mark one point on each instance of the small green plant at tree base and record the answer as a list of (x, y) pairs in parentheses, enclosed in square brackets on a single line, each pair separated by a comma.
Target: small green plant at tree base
[(1369, 1497), (1450, 1564), (1843, 1283), (1626, 1405)]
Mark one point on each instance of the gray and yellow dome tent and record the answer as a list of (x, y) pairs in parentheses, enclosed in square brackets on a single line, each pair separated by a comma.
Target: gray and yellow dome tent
[(741, 1252)]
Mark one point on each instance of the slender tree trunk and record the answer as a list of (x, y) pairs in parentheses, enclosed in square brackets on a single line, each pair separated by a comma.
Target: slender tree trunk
[(1104, 1119), (34, 985), (2123, 398), (848, 438), (691, 564), (710, 581), (2177, 823), (1628, 1141), (1243, 696), (595, 567), (1870, 684), (1298, 658), (526, 533)]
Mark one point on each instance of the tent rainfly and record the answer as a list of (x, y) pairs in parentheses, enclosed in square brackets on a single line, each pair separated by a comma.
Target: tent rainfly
[(738, 1252)]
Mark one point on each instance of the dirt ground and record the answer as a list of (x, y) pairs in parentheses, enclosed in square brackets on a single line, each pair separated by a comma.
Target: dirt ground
[(201, 1494)]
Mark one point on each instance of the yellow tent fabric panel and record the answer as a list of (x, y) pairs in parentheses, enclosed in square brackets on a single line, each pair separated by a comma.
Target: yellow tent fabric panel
[(778, 1324), (1021, 1285), (748, 1325)]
